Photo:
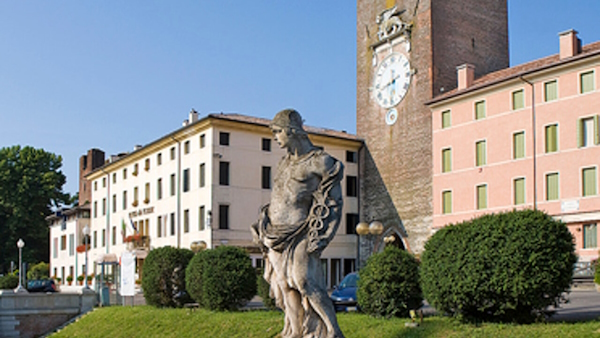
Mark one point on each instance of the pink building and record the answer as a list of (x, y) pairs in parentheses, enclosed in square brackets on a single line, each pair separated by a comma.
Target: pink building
[(523, 137)]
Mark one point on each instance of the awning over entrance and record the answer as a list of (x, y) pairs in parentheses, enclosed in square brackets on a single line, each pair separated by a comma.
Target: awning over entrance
[(108, 258), (140, 254)]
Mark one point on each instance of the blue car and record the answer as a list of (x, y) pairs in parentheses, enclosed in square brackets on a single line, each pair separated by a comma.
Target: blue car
[(344, 296)]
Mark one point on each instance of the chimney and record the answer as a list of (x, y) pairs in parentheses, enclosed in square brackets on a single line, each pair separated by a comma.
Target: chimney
[(465, 75), (193, 116), (137, 147), (570, 45)]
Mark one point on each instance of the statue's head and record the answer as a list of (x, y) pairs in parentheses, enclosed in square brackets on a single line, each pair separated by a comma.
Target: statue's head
[(288, 119)]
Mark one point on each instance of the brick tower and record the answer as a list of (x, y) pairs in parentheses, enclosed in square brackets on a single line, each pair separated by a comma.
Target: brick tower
[(87, 163), (407, 53)]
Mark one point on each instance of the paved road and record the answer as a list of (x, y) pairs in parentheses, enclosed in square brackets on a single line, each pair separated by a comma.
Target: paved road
[(584, 304)]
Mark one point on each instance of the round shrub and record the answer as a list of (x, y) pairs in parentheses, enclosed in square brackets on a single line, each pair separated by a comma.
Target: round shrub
[(39, 271), (597, 272), (502, 267), (163, 279), (389, 284), (9, 282), (224, 278), (264, 290), (193, 276)]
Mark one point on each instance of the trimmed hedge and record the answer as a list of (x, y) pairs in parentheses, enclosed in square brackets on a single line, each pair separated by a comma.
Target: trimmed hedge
[(9, 282), (163, 279), (389, 284), (502, 267), (222, 278)]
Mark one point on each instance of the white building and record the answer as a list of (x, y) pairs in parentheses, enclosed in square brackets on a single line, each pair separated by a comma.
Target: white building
[(204, 182)]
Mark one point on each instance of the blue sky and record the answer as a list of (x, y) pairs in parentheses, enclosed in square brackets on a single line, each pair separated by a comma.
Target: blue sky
[(112, 74)]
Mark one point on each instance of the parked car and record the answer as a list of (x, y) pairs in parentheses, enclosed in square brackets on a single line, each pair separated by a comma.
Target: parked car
[(44, 285), (344, 295)]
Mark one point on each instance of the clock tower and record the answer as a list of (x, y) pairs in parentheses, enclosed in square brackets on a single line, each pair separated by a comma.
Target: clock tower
[(407, 54)]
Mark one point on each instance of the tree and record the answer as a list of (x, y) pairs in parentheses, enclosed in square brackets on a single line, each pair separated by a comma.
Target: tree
[(30, 184)]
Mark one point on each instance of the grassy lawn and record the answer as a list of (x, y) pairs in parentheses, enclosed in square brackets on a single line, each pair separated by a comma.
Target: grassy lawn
[(146, 321)]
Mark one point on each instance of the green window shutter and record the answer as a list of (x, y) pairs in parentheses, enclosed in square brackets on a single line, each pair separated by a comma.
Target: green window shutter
[(587, 82), (482, 197), (447, 202), (519, 190), (446, 160), (518, 99), (550, 91), (446, 119), (519, 145), (590, 236), (589, 181), (579, 133), (596, 129), (480, 155), (479, 110), (552, 187), (551, 138)]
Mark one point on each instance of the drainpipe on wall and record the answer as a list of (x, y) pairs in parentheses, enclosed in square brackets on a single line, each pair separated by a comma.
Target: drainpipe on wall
[(533, 125), (178, 190)]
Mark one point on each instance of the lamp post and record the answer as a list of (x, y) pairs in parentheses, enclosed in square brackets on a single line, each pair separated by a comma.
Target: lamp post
[(86, 233), (198, 246), (370, 231), (20, 288)]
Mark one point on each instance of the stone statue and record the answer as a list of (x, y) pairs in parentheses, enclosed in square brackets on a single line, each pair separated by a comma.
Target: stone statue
[(293, 230), (389, 22)]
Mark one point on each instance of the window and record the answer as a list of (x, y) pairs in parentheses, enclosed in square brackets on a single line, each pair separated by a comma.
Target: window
[(266, 177), (202, 141), (114, 203), (550, 91), (186, 180), (71, 244), (224, 138), (590, 236), (135, 170), (172, 224), (482, 196), (135, 196), (103, 242), (159, 189), (186, 220), (223, 173), (95, 185), (519, 145), (104, 206), (95, 239), (588, 130), (266, 144), (114, 178), (519, 191), (446, 160), (147, 164), (447, 202), (95, 209), (124, 174), (552, 191), (63, 242), (223, 217), (159, 226), (351, 186), (586, 82), (55, 251), (172, 151), (480, 153), (114, 235), (201, 218), (186, 147), (479, 110), (147, 193), (518, 99), (351, 222), (446, 119), (589, 181), (552, 138), (202, 175), (172, 185), (103, 182), (351, 156), (124, 200), (159, 159)]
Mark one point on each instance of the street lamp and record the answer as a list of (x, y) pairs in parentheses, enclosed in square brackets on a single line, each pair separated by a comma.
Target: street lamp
[(20, 288), (368, 230), (86, 234), (198, 246)]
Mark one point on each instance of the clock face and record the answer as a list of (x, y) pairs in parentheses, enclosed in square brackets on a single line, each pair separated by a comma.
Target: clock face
[(392, 80)]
